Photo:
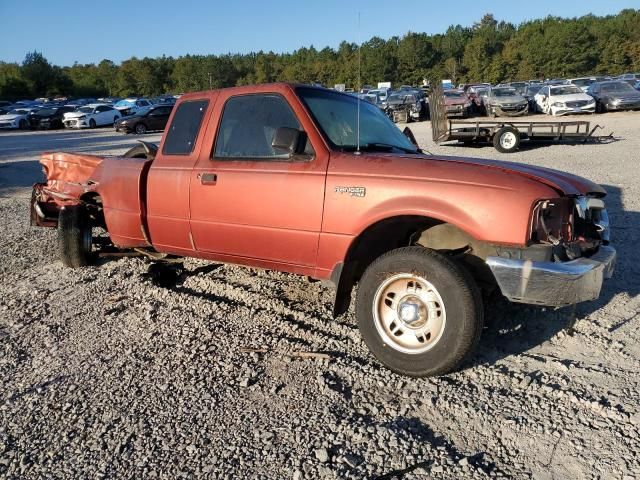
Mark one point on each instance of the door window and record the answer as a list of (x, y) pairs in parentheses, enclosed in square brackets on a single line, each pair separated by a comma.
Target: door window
[(248, 125), (183, 132)]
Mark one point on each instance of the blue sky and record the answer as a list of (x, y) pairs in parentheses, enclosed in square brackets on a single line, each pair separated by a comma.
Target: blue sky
[(87, 31)]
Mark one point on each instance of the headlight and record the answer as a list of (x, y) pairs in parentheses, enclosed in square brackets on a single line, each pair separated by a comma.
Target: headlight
[(558, 104), (615, 100), (82, 117), (468, 104)]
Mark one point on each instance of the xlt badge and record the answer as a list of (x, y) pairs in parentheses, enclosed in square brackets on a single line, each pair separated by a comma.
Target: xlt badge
[(353, 191)]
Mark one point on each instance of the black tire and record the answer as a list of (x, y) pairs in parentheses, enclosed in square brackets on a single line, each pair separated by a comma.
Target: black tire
[(141, 129), (92, 123), (462, 305), (115, 119), (23, 124), (75, 237), (500, 140)]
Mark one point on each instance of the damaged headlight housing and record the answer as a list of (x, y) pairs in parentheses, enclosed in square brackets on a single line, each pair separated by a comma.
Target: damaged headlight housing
[(564, 219)]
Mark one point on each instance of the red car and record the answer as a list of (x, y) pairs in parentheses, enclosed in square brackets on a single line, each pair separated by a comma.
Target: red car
[(283, 177), (457, 103)]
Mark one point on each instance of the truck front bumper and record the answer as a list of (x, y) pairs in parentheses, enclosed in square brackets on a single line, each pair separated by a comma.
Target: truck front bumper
[(554, 284)]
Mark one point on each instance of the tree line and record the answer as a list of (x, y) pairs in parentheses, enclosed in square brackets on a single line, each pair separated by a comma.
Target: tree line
[(487, 51)]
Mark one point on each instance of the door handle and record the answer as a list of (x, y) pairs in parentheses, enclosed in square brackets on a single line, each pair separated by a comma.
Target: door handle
[(208, 178)]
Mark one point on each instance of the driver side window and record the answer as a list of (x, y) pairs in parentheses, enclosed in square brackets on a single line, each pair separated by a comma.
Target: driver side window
[(248, 126)]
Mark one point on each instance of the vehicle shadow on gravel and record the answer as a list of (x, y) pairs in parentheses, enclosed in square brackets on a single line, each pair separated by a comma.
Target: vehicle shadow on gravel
[(512, 329)]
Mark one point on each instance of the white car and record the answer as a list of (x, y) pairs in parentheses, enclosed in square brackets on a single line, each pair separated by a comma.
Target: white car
[(563, 99), (16, 118), (130, 106), (91, 116)]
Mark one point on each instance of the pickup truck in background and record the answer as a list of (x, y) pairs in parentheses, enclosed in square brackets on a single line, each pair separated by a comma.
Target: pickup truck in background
[(281, 177)]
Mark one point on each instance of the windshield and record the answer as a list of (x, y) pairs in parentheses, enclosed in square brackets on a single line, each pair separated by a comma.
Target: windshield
[(19, 111), (617, 87), (124, 103), (565, 90), (336, 115), (583, 82), (45, 112), (85, 109), (453, 94), (503, 92), (401, 98), (533, 89), (482, 91)]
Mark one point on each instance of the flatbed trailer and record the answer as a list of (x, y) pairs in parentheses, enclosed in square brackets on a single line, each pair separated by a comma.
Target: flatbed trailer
[(506, 134)]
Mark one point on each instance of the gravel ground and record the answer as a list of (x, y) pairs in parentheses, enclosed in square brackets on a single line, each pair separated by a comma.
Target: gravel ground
[(108, 375)]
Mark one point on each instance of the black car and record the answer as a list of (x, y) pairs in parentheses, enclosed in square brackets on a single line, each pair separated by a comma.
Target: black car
[(614, 95), (152, 118), (49, 117)]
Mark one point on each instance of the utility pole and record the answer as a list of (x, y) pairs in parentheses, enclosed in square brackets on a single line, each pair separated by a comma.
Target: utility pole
[(210, 81)]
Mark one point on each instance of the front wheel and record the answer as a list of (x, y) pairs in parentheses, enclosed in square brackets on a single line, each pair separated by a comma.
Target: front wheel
[(92, 123), (141, 129), (75, 237), (419, 313)]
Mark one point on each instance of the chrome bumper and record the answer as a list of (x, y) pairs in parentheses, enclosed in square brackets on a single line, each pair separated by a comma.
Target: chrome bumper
[(553, 283)]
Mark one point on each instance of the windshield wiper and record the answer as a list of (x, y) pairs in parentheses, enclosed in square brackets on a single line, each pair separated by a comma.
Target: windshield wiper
[(385, 147)]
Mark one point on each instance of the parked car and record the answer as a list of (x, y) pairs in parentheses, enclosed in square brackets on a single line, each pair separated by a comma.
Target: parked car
[(614, 95), (147, 119), (91, 116), (49, 117), (18, 118), (422, 236), (530, 93), (506, 101), (563, 99), (129, 106), (457, 103), (582, 83), (405, 105)]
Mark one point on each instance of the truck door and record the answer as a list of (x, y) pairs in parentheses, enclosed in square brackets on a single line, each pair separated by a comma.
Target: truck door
[(250, 201), (167, 187)]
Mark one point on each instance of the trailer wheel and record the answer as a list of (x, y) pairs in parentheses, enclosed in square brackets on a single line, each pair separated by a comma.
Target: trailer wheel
[(506, 140)]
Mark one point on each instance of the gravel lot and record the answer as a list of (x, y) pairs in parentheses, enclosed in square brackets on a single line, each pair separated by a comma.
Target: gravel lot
[(107, 375)]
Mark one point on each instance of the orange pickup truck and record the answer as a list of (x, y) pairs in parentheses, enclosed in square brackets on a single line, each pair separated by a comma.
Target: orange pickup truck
[(311, 181)]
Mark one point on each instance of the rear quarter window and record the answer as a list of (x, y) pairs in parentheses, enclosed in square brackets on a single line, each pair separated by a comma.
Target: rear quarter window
[(183, 131)]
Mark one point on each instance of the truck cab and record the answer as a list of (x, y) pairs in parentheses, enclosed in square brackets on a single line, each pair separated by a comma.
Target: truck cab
[(313, 182)]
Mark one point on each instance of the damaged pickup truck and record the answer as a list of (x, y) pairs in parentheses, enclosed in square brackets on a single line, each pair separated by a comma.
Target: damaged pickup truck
[(281, 177)]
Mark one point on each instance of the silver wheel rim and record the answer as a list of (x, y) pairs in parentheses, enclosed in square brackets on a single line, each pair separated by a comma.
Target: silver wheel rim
[(508, 140), (409, 313)]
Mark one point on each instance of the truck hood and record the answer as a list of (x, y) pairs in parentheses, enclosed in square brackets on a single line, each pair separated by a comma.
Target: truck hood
[(564, 183)]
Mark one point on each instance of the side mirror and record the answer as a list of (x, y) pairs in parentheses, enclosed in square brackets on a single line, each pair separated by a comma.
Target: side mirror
[(288, 141)]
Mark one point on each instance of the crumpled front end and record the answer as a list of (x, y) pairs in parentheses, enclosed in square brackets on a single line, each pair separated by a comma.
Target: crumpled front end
[(574, 232), (68, 177)]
